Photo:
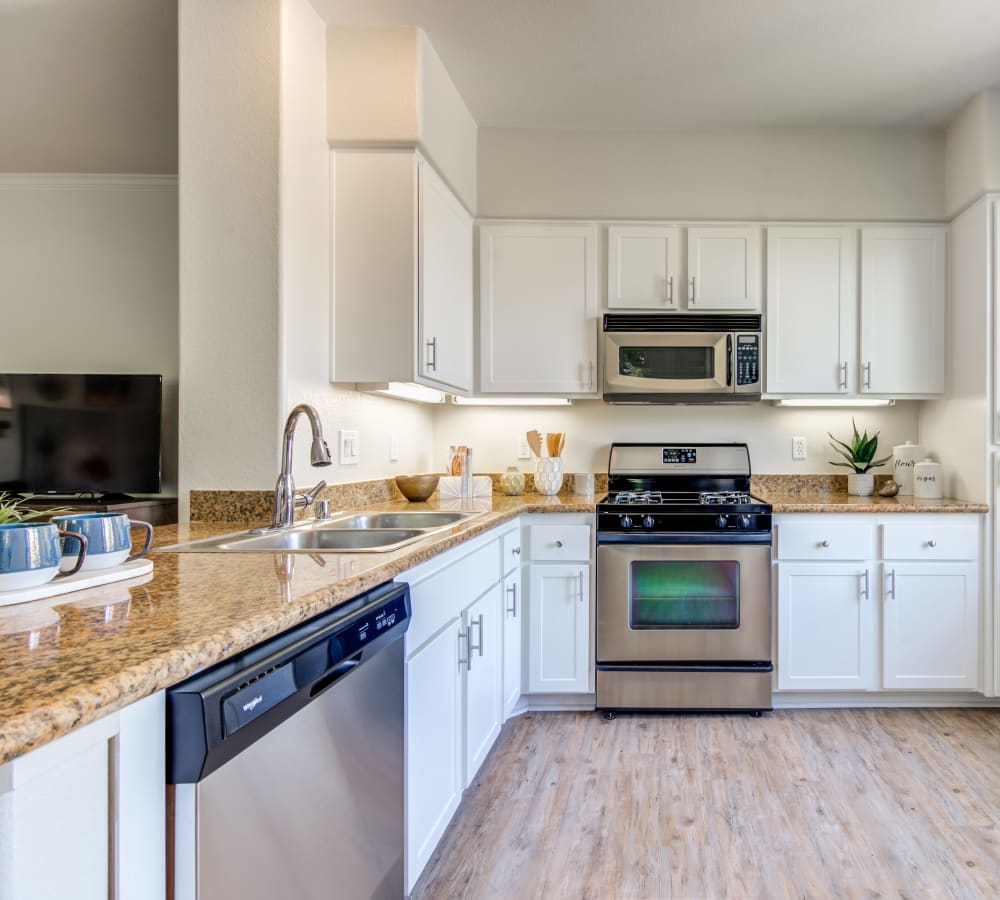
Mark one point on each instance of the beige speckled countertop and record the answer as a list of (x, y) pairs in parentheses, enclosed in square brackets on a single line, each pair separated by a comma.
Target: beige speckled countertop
[(71, 659)]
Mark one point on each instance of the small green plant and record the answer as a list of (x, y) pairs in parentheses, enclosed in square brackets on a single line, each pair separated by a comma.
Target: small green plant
[(12, 509), (860, 453)]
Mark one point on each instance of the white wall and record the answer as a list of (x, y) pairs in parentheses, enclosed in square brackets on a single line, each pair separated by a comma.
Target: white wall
[(972, 147), (388, 87), (740, 174), (88, 281), (591, 427), (305, 275), (955, 428)]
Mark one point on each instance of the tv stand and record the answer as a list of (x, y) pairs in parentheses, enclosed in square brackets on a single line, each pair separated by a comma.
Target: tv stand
[(155, 510)]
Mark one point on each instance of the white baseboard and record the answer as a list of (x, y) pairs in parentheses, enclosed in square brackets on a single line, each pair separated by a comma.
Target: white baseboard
[(875, 699)]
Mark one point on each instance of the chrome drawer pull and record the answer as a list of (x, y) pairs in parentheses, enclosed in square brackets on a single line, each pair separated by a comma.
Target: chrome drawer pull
[(512, 609), (670, 289), (865, 593), (467, 637), (516, 551), (477, 647), (891, 592), (559, 543), (432, 362), (843, 376), (932, 543), (824, 543)]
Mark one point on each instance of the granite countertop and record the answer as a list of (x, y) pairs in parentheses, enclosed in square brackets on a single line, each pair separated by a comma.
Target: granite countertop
[(72, 659)]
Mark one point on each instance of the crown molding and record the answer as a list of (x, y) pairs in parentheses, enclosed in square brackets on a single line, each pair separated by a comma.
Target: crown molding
[(42, 181)]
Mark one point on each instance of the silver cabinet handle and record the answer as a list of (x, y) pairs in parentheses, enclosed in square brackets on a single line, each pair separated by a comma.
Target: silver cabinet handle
[(432, 360), (932, 543), (467, 637), (691, 298), (579, 576), (590, 375), (670, 290), (867, 369), (866, 590), (512, 609), (559, 543), (843, 376), (478, 621), (516, 551), (891, 592), (824, 543)]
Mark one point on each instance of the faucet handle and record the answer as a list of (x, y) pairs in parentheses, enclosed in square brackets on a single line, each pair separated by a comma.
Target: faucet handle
[(307, 498)]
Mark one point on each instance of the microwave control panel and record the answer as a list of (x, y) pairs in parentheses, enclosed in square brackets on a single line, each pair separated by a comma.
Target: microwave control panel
[(747, 359)]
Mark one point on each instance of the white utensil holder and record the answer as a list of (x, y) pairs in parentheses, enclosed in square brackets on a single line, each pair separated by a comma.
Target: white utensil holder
[(549, 475)]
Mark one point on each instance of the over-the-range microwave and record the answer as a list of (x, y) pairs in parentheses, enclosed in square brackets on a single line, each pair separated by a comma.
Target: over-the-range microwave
[(663, 358)]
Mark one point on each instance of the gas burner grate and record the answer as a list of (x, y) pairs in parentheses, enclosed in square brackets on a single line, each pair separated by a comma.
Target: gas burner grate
[(638, 497), (727, 497)]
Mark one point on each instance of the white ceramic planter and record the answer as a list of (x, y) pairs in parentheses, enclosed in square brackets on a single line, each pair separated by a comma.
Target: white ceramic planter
[(860, 485), (549, 475)]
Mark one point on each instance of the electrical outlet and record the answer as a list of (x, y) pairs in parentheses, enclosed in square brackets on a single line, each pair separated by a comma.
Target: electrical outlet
[(350, 447), (798, 448), (393, 448), (523, 450)]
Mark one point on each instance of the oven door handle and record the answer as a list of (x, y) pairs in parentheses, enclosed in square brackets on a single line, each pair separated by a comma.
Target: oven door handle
[(686, 537), (729, 360)]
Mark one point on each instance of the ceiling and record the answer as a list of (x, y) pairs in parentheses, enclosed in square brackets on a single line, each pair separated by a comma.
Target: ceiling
[(665, 64), (88, 86)]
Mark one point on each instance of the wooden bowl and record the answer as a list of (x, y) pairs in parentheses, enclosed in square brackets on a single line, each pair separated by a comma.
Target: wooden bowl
[(417, 487)]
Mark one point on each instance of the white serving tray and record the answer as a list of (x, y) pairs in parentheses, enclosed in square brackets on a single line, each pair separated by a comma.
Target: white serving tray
[(78, 582)]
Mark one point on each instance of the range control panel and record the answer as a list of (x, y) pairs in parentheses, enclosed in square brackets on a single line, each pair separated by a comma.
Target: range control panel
[(747, 359), (680, 455)]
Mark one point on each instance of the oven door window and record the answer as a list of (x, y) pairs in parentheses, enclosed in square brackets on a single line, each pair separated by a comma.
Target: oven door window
[(665, 595), (667, 363)]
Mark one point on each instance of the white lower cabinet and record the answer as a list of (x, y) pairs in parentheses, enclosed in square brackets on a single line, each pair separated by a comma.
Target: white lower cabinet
[(827, 634), (930, 627), (898, 613), (558, 628), (483, 679), (513, 620), (84, 816)]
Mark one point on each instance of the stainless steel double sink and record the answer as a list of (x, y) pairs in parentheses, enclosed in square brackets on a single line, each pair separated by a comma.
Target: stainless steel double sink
[(377, 532)]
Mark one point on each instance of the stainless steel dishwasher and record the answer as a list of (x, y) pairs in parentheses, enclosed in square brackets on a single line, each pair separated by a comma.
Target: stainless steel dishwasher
[(285, 763)]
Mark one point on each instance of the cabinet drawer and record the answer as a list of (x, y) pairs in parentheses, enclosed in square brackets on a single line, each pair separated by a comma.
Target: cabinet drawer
[(560, 542), (931, 540), (825, 540), (441, 597), (510, 550)]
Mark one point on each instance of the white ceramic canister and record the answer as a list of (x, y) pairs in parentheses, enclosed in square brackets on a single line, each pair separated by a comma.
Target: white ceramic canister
[(904, 458), (927, 480)]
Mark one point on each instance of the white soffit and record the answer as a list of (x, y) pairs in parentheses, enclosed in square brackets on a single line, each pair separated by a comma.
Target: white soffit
[(665, 64)]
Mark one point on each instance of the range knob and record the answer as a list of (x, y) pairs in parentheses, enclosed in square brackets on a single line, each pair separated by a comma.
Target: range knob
[(626, 521), (648, 522), (722, 521), (744, 521)]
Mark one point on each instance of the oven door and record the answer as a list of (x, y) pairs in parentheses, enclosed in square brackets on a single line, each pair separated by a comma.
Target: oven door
[(639, 363), (660, 603)]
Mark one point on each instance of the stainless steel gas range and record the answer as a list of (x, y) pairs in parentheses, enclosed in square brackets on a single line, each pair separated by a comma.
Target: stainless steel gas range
[(683, 581)]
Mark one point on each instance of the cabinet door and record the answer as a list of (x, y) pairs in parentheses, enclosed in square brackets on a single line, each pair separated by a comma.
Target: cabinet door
[(512, 619), (558, 629), (483, 679), (433, 744), (902, 310), (643, 266), (538, 309), (811, 302), (930, 628), (827, 637), (722, 268), (445, 285)]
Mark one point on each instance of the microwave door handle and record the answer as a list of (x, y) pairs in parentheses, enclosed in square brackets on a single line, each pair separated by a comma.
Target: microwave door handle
[(729, 360)]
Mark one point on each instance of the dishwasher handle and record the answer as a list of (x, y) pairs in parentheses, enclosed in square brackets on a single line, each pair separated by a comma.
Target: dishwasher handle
[(334, 674)]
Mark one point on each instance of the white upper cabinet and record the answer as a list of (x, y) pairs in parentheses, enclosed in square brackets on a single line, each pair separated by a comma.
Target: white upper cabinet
[(445, 292), (538, 309), (643, 266), (722, 268), (811, 303), (902, 310), (402, 273)]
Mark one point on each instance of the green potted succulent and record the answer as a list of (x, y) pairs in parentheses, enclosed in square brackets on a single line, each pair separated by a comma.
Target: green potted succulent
[(12, 509), (860, 457)]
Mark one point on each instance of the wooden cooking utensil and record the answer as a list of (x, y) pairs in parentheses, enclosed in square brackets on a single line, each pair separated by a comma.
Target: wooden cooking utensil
[(551, 441), (535, 442), (560, 443)]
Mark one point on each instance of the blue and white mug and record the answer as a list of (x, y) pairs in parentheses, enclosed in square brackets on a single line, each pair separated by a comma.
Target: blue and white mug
[(109, 537), (31, 553)]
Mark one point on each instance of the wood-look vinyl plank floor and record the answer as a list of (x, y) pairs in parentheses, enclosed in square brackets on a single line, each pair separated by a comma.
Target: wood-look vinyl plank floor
[(807, 803)]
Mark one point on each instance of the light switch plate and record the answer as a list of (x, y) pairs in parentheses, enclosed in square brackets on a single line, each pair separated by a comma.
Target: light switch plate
[(393, 448), (350, 447), (523, 450)]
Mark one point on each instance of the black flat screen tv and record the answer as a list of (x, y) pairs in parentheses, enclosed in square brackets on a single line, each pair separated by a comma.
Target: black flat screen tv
[(80, 434)]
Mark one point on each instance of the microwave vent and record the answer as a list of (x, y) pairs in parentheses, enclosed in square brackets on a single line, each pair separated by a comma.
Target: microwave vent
[(666, 322)]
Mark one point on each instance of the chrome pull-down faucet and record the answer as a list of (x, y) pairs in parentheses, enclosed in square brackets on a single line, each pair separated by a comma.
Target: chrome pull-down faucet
[(286, 501)]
